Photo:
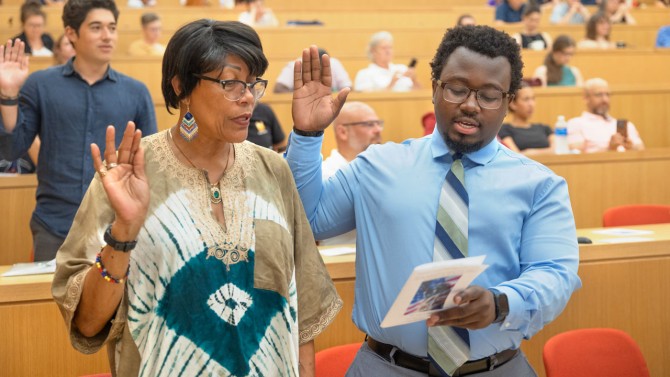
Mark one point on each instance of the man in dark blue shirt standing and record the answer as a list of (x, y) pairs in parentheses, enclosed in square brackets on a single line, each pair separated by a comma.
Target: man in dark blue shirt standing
[(510, 11), (69, 107)]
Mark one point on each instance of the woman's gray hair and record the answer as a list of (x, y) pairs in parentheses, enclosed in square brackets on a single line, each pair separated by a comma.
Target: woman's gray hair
[(376, 39)]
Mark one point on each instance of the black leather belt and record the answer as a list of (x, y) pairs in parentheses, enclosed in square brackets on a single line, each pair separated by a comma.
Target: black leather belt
[(409, 361)]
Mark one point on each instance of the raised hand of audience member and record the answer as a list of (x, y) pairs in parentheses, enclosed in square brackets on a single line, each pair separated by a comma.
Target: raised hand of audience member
[(13, 68), (124, 180), (314, 108)]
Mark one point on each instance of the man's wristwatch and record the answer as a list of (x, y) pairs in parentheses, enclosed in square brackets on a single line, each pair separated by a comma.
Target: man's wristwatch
[(117, 245), (502, 305), (307, 133)]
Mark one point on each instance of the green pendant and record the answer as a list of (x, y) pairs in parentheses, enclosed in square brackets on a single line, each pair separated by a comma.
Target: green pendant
[(215, 194)]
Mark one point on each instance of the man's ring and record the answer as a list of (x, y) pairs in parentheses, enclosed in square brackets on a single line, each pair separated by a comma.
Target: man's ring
[(112, 165), (102, 172)]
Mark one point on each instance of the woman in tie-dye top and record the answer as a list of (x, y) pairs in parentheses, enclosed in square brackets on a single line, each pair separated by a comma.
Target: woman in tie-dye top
[(225, 278)]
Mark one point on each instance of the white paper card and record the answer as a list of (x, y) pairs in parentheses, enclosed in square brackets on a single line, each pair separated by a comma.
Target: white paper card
[(335, 251), (622, 232), (34, 268), (626, 239), (431, 288)]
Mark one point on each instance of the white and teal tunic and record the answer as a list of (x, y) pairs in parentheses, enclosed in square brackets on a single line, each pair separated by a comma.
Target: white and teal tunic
[(204, 299)]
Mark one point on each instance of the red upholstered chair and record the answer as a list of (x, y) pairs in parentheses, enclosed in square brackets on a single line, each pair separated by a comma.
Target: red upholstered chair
[(428, 123), (638, 214), (334, 361), (593, 353)]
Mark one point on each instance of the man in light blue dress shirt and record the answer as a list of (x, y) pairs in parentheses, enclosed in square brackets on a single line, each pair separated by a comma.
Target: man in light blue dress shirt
[(520, 216)]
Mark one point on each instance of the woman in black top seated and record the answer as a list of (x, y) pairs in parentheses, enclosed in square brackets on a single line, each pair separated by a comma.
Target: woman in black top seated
[(33, 21), (519, 134), (530, 36)]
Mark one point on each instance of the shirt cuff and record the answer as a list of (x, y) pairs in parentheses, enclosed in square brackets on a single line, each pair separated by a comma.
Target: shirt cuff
[(518, 317), (301, 149)]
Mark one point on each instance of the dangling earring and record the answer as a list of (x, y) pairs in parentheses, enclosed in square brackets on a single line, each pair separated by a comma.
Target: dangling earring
[(188, 129)]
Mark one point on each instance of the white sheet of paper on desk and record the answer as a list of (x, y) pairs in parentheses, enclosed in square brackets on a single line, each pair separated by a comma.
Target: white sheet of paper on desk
[(622, 232), (626, 239), (335, 251), (35, 268), (431, 288)]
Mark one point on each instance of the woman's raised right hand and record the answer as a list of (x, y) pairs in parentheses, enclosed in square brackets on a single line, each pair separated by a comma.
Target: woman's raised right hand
[(124, 180)]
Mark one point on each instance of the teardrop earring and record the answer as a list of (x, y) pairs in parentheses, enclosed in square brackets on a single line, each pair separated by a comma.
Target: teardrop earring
[(188, 129)]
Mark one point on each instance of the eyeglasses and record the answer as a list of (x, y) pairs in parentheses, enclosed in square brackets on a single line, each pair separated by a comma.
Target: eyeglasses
[(487, 98), (368, 123), (235, 89)]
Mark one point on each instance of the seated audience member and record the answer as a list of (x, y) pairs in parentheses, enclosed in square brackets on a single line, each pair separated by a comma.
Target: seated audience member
[(33, 21), (596, 130), (663, 3), (141, 3), (510, 11), (258, 15), (519, 134), (63, 50), (663, 37), (466, 19), (597, 33), (618, 11), (382, 74), (265, 129), (355, 128), (530, 36), (556, 71), (340, 76), (569, 12), (149, 45)]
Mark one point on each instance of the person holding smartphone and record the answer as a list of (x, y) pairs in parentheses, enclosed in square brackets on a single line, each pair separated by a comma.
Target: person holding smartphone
[(382, 74), (596, 130)]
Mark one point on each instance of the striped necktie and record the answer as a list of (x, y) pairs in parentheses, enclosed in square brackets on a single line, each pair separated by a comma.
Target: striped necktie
[(449, 347)]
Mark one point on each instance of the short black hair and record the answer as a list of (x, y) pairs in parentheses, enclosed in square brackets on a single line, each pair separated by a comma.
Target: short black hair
[(31, 8), (75, 11), (530, 9), (148, 18), (483, 40), (202, 46)]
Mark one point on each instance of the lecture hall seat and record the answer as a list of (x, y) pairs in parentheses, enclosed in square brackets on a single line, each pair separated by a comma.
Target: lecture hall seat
[(636, 214), (593, 353), (334, 361)]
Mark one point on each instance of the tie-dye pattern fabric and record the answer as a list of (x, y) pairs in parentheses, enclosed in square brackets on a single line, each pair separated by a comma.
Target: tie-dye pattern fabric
[(187, 312)]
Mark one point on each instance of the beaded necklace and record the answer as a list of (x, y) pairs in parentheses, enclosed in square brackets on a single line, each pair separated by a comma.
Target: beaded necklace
[(214, 189)]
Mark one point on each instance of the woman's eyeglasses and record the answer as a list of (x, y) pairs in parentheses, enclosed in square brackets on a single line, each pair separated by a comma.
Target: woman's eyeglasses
[(234, 90)]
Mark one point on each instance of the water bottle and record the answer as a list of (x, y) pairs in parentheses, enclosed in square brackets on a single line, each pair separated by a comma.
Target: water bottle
[(561, 136)]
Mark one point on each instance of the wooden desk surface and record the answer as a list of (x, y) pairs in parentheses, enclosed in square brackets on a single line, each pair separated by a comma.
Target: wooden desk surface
[(622, 287)]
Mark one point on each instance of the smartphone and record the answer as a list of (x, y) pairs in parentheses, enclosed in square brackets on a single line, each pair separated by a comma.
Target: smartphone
[(412, 63), (622, 127)]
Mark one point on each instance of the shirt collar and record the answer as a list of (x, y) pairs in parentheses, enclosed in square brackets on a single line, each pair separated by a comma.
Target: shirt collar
[(481, 157), (68, 70), (587, 114)]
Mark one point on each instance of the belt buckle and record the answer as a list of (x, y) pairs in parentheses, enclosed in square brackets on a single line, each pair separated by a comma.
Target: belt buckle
[(392, 355), (493, 361)]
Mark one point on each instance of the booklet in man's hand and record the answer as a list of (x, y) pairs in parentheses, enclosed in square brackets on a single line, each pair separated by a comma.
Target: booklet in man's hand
[(431, 288)]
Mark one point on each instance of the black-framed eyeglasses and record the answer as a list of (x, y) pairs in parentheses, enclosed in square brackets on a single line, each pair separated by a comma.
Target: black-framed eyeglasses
[(487, 98), (368, 123), (235, 89)]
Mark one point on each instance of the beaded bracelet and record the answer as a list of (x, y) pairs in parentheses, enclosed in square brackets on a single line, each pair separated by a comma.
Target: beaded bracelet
[(105, 274)]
